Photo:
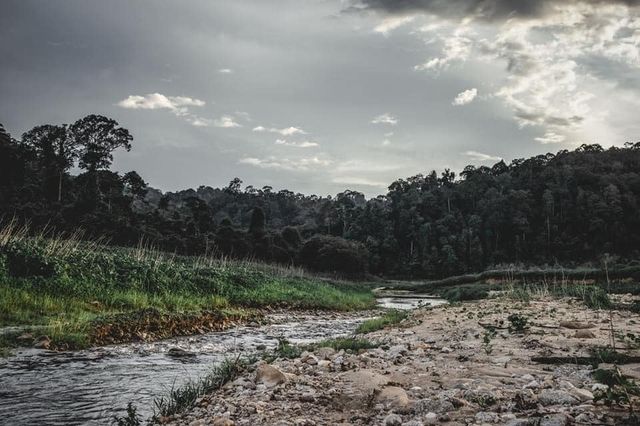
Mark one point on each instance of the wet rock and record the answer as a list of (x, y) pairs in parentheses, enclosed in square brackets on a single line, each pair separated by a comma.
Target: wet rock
[(269, 375), (180, 353), (42, 342), (393, 420), (25, 337), (556, 397), (584, 334), (393, 397)]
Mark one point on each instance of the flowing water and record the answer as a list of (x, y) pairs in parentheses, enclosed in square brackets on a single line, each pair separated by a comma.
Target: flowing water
[(89, 387)]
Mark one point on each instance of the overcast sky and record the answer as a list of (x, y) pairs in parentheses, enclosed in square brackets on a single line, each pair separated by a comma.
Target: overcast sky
[(317, 96)]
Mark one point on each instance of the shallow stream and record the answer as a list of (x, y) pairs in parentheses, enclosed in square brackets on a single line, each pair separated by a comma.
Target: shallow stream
[(90, 387)]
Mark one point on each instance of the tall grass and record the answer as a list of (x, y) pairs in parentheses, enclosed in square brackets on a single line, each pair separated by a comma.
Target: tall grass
[(64, 283)]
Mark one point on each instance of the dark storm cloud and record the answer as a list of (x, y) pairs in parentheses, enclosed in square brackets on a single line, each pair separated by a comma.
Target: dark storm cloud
[(491, 10)]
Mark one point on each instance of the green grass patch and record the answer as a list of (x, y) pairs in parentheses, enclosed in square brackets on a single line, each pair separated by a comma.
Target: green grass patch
[(353, 344), (391, 317), (184, 397), (464, 293), (64, 286)]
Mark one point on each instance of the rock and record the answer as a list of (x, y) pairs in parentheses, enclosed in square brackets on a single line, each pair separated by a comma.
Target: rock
[(358, 388), (532, 385), (599, 387), (324, 364), (393, 420), (554, 420), (501, 360), (269, 375), (180, 353), (393, 397), (397, 351), (584, 334), (25, 337), (525, 400), (438, 406), (261, 347), (307, 397), (42, 342), (487, 417), (325, 353), (223, 421), (446, 350), (582, 394), (431, 418), (576, 325), (413, 423), (557, 397)]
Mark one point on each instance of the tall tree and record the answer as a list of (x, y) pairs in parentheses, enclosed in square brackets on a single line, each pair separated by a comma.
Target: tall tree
[(98, 137), (55, 151)]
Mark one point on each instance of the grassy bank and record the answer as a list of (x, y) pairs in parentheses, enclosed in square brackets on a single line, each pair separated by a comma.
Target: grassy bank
[(62, 287)]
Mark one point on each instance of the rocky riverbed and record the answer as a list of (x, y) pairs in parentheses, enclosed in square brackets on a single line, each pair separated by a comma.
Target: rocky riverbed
[(464, 364)]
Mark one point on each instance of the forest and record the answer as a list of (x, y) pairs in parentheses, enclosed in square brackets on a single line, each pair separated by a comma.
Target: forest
[(567, 208)]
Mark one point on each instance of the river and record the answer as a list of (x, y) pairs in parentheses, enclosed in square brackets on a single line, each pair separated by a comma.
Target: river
[(90, 387)]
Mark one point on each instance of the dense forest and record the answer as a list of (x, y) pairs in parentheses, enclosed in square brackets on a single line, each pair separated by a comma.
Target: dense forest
[(568, 207)]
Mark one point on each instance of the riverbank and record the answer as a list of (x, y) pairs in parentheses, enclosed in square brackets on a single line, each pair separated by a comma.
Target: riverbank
[(545, 361), (62, 293)]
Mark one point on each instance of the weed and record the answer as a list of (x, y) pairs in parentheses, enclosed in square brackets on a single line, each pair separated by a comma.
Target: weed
[(620, 388), (487, 337), (518, 323), (131, 419), (183, 398), (391, 317)]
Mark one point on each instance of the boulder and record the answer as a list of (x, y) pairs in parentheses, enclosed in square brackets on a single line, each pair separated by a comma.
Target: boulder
[(325, 353), (180, 353), (393, 398), (269, 375), (584, 334), (392, 420), (223, 421), (358, 388), (557, 397)]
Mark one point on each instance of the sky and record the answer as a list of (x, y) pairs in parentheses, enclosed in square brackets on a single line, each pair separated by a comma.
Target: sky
[(319, 96)]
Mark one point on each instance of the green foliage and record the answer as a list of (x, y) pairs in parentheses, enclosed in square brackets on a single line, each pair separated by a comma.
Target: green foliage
[(287, 350), (184, 397), (86, 282), (518, 323), (487, 337), (391, 317), (353, 344), (592, 296), (465, 292), (325, 253), (620, 388)]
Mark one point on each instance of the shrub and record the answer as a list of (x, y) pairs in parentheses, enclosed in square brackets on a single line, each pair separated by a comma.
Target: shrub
[(465, 292), (28, 260), (334, 254)]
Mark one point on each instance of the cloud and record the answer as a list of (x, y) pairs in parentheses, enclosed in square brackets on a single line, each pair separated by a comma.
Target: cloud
[(465, 97), (386, 142), (391, 23), (225, 71), (385, 118), (226, 122), (299, 164), (486, 10), (301, 144), (551, 137), (479, 156), (287, 131), (359, 181), (551, 58), (198, 121), (177, 104)]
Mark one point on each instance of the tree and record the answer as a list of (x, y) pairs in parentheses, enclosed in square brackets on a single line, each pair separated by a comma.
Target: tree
[(134, 183), (56, 152), (257, 225), (98, 137)]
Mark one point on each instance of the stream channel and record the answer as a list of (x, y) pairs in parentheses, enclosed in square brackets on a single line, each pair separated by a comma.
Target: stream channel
[(90, 387)]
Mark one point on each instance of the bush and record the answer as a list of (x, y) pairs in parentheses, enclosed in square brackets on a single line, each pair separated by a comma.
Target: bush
[(28, 260), (465, 293), (334, 254)]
